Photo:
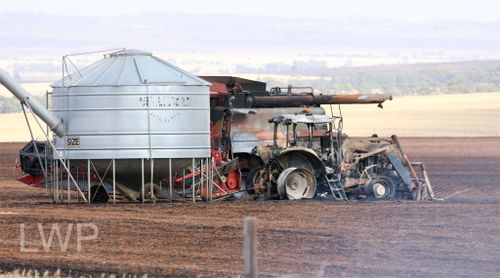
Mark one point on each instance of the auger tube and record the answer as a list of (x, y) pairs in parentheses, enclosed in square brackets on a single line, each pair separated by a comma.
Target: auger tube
[(316, 100), (55, 123)]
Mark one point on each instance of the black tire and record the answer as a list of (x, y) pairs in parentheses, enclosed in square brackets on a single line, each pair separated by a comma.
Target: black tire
[(250, 179), (380, 188), (99, 194)]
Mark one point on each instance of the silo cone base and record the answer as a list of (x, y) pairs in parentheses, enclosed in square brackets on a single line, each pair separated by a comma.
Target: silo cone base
[(129, 175)]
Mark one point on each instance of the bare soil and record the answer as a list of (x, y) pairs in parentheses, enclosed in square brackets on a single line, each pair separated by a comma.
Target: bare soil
[(456, 237)]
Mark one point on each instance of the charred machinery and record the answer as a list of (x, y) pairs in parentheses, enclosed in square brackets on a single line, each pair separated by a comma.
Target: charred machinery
[(287, 147), (323, 162), (138, 127)]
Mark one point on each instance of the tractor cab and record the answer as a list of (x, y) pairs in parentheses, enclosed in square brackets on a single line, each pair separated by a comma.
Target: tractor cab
[(321, 134)]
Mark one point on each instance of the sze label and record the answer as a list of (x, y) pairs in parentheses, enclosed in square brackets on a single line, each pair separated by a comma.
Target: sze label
[(73, 142)]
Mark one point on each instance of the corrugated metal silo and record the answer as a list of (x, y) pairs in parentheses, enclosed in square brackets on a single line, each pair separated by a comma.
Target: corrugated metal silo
[(132, 106)]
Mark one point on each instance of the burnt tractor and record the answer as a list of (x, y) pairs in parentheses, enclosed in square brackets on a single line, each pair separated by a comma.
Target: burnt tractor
[(311, 157)]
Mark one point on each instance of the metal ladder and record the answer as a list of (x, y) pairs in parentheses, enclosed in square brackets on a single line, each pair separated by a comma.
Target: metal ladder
[(337, 189)]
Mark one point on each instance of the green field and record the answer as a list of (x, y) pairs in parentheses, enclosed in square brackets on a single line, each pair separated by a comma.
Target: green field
[(458, 115)]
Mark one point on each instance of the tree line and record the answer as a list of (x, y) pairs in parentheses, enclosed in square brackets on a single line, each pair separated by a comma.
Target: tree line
[(417, 79)]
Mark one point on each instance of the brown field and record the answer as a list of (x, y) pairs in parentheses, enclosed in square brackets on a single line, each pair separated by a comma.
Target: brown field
[(457, 115), (457, 237)]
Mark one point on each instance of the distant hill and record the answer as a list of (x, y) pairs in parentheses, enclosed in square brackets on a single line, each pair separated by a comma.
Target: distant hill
[(403, 79)]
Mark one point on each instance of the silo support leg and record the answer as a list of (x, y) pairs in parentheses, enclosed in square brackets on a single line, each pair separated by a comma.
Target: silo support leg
[(142, 179), (170, 179), (69, 192), (88, 182), (152, 166), (193, 186), (184, 183), (201, 178), (114, 182)]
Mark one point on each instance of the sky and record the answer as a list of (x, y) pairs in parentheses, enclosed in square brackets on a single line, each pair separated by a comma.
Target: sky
[(421, 10)]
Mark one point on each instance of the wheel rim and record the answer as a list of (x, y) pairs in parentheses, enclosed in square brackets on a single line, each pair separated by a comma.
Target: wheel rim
[(379, 190)]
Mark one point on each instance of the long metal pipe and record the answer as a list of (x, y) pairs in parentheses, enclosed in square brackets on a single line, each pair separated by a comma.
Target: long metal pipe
[(55, 123), (316, 100)]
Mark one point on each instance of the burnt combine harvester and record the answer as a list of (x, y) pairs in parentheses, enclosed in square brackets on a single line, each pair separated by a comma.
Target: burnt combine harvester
[(136, 127)]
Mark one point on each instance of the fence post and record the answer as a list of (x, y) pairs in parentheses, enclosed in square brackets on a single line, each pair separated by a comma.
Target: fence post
[(250, 247)]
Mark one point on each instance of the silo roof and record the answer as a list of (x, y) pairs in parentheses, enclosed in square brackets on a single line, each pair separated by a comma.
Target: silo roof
[(130, 68)]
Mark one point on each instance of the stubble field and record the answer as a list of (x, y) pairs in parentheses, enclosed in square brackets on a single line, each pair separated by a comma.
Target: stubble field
[(456, 237)]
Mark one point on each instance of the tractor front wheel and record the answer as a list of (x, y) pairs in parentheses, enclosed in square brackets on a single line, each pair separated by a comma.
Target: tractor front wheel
[(380, 188)]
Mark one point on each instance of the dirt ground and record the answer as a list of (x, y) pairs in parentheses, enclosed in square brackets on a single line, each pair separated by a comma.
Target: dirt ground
[(457, 237)]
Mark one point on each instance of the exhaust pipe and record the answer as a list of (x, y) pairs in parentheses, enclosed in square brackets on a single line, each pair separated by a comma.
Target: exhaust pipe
[(55, 124)]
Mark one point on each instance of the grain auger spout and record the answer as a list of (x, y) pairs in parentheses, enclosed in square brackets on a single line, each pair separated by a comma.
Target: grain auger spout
[(317, 100), (55, 124)]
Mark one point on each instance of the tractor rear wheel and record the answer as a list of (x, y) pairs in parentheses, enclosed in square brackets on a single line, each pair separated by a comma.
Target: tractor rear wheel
[(296, 183)]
